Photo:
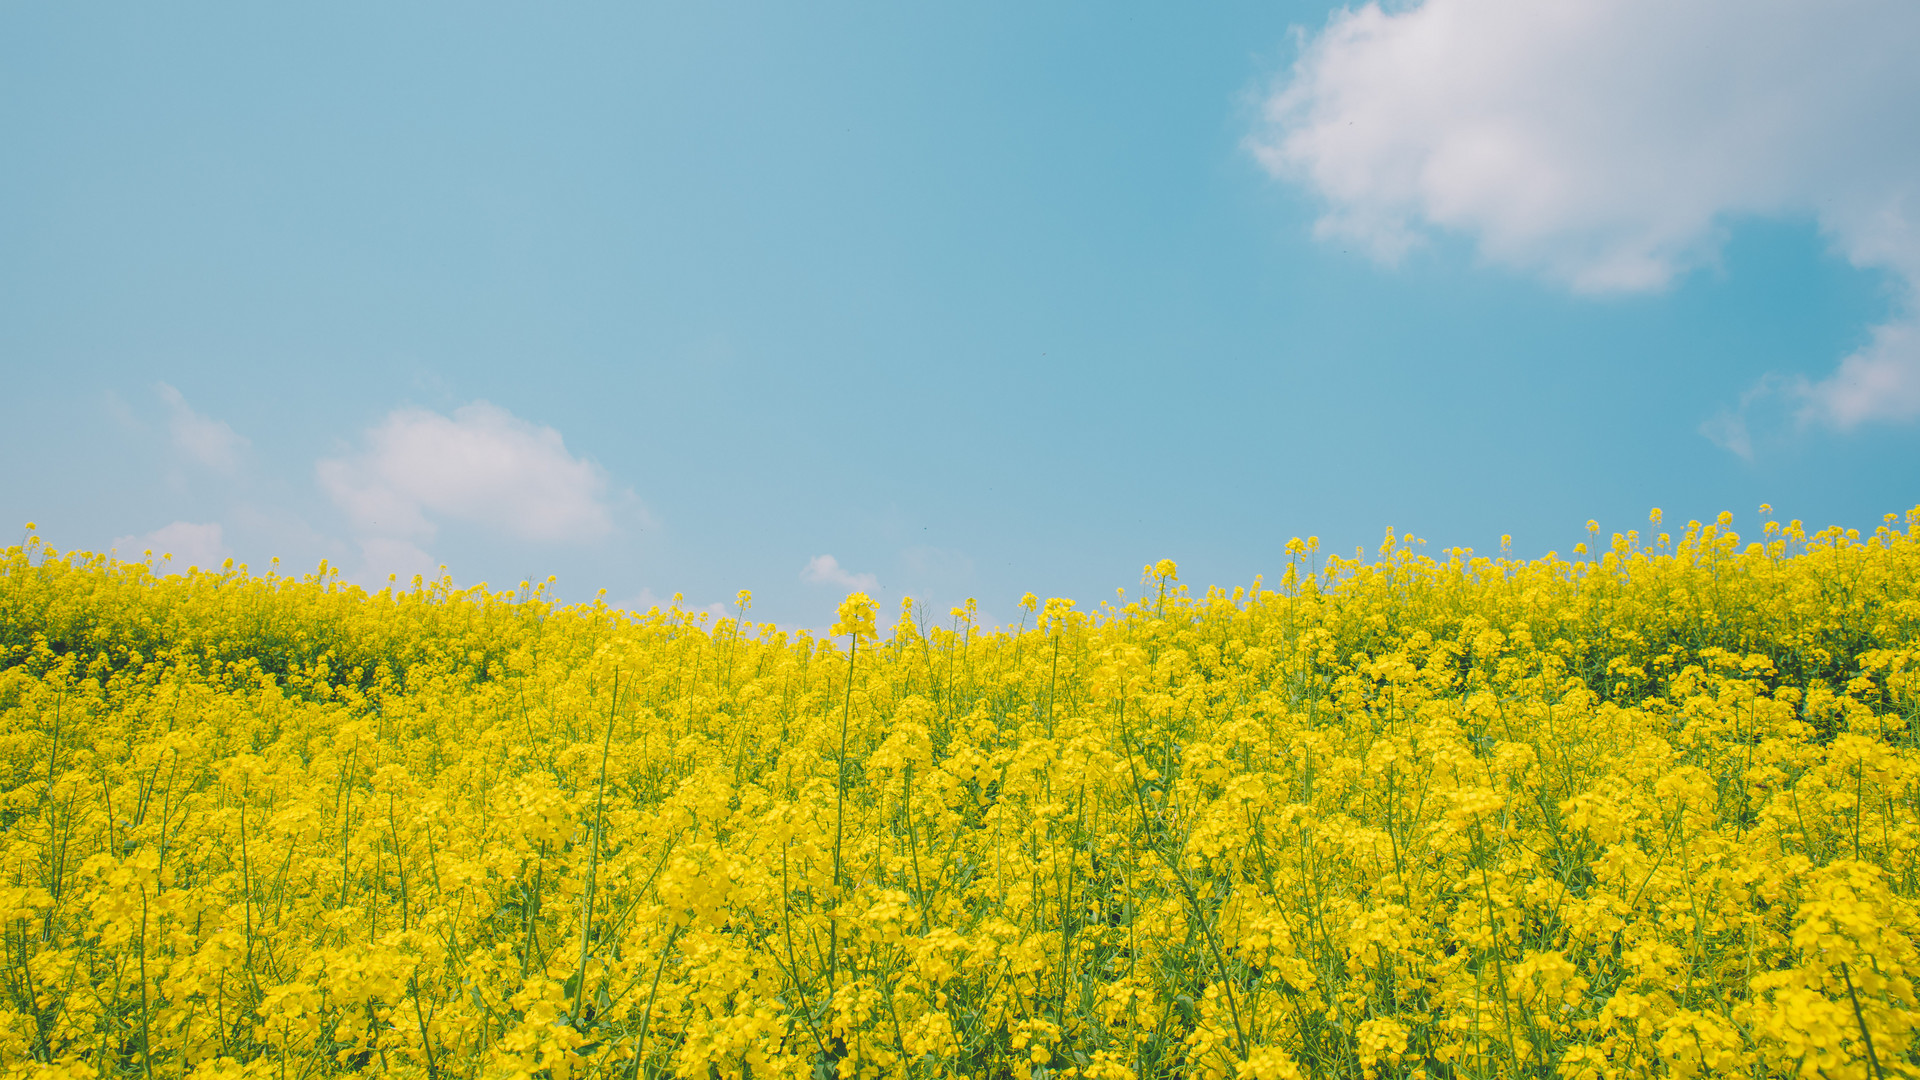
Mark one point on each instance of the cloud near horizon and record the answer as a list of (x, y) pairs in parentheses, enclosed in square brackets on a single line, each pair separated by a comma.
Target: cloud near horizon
[(482, 466), (189, 543), (1608, 144), (826, 570), (210, 442)]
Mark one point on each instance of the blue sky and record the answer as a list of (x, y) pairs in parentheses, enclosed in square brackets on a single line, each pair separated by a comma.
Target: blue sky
[(964, 300)]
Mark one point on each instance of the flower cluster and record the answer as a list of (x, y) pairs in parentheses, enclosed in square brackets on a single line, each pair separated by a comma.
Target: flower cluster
[(1648, 811)]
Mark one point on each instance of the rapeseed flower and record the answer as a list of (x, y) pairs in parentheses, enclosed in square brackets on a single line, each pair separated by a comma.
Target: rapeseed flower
[(1647, 812)]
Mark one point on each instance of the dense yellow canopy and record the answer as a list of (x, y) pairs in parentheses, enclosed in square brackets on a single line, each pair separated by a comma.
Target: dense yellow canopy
[(1652, 810)]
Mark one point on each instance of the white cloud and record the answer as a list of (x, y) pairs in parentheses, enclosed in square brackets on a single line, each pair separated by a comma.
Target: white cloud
[(188, 543), (1607, 144), (937, 564), (646, 598), (1763, 409), (826, 570), (384, 555), (206, 440), (1879, 381), (482, 466)]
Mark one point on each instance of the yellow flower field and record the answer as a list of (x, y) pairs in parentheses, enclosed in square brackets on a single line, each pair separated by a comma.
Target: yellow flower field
[(1648, 811)]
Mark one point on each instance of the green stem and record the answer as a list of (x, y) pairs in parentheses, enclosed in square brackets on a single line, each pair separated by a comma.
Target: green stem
[(839, 820), (593, 858), (1861, 1018)]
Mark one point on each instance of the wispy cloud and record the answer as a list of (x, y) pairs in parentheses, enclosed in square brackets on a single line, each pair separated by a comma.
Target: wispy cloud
[(481, 466), (1606, 143), (209, 442), (826, 570), (942, 565), (1880, 381), (189, 543), (646, 598), (403, 559)]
